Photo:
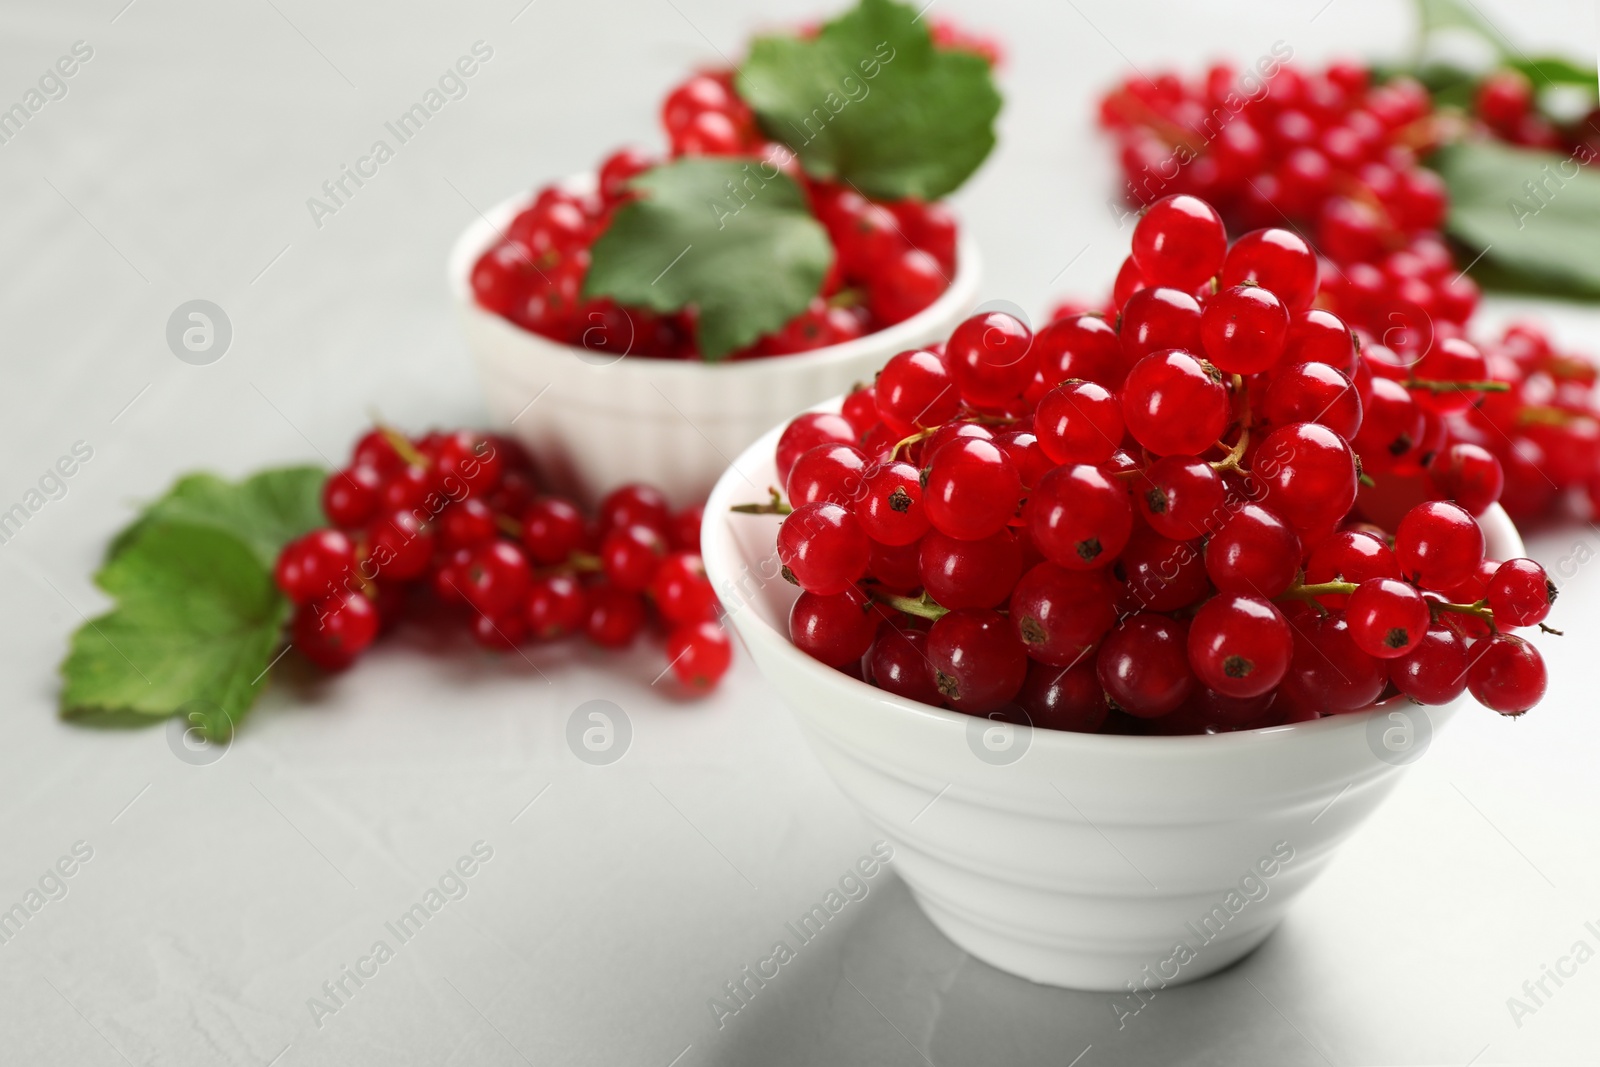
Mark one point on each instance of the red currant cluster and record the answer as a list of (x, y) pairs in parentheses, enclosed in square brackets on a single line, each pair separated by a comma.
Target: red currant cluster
[(1154, 527), (454, 522), (891, 260), (1333, 152)]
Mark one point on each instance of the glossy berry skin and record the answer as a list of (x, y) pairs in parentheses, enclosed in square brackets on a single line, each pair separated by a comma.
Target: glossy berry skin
[(969, 574), (1329, 673), (615, 617), (1387, 618), (466, 523), (1157, 319), (316, 565), (1314, 392), (1243, 329), (822, 548), (806, 432), (470, 460), (972, 489), (633, 505), (1318, 336), (1349, 556), (1469, 475), (1060, 615), (897, 663), (1274, 259), (1160, 574), (1182, 497), (1175, 404), (1179, 242), (978, 663), (890, 508), (1082, 346), (1520, 594), (349, 497), (835, 629), (827, 472), (990, 360), (700, 654), (332, 631), (552, 529), (1143, 665), (399, 546), (1063, 698), (556, 607), (914, 390), (495, 579), (906, 284), (1391, 425), (681, 591), (1309, 473), (1079, 422), (630, 555), (1507, 674), (1435, 672), (1079, 518), (1239, 646), (860, 409), (1254, 553), (1439, 544)]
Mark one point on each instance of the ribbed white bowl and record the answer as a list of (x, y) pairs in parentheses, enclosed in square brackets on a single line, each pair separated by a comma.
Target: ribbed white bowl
[(1087, 858), (597, 420)]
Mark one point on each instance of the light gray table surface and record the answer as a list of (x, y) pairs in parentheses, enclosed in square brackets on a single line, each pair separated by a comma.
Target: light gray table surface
[(219, 898)]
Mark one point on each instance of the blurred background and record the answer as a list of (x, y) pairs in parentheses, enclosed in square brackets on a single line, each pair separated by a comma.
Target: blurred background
[(177, 166)]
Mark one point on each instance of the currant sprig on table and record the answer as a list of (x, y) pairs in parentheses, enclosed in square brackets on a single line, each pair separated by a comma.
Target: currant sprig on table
[(1157, 523)]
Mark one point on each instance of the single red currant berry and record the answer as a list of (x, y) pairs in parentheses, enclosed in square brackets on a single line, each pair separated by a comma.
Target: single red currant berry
[(1387, 618), (897, 663), (1350, 556), (1506, 675), (1143, 665), (1329, 673), (634, 505), (822, 548), (827, 472), (1079, 422), (860, 409), (978, 662), (1309, 474), (1079, 518), (1504, 98), (914, 391), (1391, 425), (890, 509), (1063, 698), (630, 555), (1022, 448), (906, 284), (552, 530), (1083, 346), (1274, 259), (895, 567), (332, 631), (1468, 474), (615, 616), (411, 488), (1435, 672), (470, 460), (316, 565), (557, 606), (399, 546), (1520, 593), (465, 524), (1157, 319), (1175, 404), (990, 359), (700, 654), (1439, 544), (808, 431), (1061, 615), (499, 635), (1179, 242), (1160, 574), (1254, 552), (681, 591), (1318, 336), (495, 578), (1314, 392), (836, 629), (972, 489), (1243, 329), (1182, 497), (969, 574), (1239, 646), (683, 530), (349, 497)]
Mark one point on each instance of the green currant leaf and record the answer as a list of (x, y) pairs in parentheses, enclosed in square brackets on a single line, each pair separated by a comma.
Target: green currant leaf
[(266, 510), (1534, 215), (731, 238), (871, 102), (195, 627)]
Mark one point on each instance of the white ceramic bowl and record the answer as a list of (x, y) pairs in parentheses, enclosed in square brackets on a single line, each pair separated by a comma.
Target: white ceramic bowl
[(597, 420), (1076, 860)]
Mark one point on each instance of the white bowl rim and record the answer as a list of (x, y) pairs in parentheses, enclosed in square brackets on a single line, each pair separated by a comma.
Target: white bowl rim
[(717, 547), (490, 226)]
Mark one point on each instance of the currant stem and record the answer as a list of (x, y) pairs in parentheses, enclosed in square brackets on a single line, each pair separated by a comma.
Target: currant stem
[(775, 506), (1230, 462), (922, 606), (401, 444), (1437, 385)]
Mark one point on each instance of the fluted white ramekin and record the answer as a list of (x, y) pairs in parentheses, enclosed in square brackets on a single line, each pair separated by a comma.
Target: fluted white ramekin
[(1075, 860), (596, 420)]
